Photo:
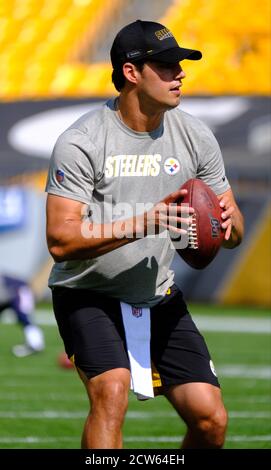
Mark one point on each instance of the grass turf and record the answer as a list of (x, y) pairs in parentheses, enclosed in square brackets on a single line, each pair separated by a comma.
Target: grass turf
[(44, 406)]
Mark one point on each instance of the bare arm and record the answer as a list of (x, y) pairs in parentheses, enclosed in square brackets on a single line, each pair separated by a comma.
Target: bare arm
[(70, 236), (233, 222)]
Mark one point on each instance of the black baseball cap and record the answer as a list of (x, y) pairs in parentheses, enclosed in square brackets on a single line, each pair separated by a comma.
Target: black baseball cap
[(147, 40)]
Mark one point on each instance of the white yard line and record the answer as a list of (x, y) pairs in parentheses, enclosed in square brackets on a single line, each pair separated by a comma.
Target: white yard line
[(244, 371), (58, 397), (233, 324), (224, 370), (204, 322), (177, 439), (54, 414)]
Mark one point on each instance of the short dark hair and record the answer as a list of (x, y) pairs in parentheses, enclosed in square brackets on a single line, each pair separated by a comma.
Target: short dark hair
[(119, 79)]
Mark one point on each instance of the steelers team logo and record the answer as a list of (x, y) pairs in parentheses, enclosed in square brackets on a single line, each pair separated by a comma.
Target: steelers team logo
[(171, 166)]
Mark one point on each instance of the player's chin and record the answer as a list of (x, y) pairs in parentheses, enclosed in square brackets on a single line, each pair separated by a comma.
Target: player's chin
[(168, 102), (174, 99)]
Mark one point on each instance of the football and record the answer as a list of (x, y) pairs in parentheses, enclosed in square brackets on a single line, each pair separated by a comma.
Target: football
[(205, 234)]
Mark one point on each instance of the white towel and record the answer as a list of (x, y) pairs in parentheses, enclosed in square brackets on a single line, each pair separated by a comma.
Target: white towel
[(137, 328)]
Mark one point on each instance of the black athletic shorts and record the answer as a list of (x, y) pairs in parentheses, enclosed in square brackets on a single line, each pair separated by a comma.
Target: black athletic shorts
[(91, 327)]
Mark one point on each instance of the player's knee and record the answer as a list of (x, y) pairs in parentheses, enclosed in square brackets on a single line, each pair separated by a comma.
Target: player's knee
[(111, 398), (213, 428)]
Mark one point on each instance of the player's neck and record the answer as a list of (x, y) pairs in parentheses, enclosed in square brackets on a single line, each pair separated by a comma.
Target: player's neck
[(136, 116)]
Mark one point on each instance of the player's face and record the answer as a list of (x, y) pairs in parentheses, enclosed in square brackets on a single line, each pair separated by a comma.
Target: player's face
[(160, 83)]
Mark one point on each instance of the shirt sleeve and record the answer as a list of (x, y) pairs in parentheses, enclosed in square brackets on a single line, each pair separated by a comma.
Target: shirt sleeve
[(211, 167), (72, 167)]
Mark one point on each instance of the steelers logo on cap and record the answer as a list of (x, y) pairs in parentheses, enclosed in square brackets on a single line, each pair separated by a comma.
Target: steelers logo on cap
[(171, 166)]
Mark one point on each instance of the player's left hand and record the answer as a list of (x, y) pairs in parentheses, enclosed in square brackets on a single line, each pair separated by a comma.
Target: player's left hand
[(227, 213)]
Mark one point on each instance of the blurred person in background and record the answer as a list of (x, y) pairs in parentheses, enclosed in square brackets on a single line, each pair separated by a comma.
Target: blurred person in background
[(132, 150), (16, 295)]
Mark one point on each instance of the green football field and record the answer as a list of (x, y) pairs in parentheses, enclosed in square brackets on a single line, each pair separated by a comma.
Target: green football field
[(44, 406)]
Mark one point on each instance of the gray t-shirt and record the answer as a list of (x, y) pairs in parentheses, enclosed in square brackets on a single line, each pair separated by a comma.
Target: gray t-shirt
[(98, 160)]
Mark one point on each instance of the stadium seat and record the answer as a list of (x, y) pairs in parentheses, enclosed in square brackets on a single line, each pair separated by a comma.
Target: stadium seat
[(35, 35)]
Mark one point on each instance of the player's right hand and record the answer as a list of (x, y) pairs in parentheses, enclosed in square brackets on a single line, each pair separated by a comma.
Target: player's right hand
[(169, 214)]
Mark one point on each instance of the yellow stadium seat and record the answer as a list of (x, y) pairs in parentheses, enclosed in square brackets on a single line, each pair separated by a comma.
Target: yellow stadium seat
[(42, 40)]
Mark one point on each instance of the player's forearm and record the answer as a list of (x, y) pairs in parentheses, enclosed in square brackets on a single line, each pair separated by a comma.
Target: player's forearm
[(71, 236), (84, 240)]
